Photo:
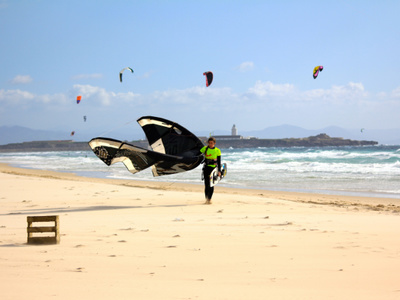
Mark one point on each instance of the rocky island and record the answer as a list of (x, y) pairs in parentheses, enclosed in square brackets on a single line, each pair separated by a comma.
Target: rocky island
[(320, 140)]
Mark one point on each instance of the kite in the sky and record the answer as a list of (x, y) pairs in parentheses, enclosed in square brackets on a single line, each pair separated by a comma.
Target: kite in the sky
[(122, 71), (209, 77), (78, 99), (316, 71), (84, 118), (174, 149), (72, 133)]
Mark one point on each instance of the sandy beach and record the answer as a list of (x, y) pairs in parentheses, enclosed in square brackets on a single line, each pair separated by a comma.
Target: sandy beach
[(126, 239)]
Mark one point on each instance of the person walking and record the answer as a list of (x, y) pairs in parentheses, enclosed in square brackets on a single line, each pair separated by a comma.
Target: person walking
[(212, 160)]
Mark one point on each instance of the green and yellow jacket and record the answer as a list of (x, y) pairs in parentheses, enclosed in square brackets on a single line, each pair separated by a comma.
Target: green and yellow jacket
[(212, 156)]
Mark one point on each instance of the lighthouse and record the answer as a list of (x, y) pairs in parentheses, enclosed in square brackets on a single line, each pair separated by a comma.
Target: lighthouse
[(234, 130)]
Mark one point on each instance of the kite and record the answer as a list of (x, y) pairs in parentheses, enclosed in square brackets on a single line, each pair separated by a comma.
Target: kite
[(174, 149), (316, 71), (84, 118), (209, 77), (72, 133), (78, 99), (122, 71)]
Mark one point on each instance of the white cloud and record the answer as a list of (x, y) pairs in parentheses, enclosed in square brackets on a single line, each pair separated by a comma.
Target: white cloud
[(87, 76), (269, 91), (21, 79), (15, 96), (95, 94), (264, 104), (396, 93), (18, 97), (246, 66), (203, 98), (349, 93), (262, 89)]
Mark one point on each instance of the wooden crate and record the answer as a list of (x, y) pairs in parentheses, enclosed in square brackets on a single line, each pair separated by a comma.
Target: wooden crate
[(40, 229)]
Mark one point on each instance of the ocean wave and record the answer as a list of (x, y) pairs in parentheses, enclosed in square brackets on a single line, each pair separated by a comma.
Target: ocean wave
[(346, 169)]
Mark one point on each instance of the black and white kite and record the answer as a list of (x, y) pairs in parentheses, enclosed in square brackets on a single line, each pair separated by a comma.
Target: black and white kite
[(174, 149)]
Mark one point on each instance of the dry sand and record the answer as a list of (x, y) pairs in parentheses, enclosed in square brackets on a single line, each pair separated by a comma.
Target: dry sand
[(149, 240)]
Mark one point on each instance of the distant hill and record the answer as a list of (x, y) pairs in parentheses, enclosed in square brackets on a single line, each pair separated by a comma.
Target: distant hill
[(19, 134)]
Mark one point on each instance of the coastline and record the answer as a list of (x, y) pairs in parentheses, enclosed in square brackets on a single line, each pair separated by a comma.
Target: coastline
[(373, 203), (127, 239)]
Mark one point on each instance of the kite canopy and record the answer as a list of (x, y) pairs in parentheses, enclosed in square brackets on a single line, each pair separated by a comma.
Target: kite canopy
[(316, 71), (122, 71), (174, 149), (209, 77), (78, 99)]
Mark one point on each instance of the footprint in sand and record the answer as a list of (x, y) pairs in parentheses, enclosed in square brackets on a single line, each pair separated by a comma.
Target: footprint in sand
[(282, 224)]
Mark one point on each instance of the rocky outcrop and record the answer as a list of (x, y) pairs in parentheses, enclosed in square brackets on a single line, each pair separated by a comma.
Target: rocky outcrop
[(321, 140)]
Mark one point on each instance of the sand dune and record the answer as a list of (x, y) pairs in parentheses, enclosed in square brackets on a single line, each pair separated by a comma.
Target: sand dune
[(149, 240)]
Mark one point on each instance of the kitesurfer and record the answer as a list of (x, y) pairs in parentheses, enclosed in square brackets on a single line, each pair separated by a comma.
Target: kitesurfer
[(212, 160)]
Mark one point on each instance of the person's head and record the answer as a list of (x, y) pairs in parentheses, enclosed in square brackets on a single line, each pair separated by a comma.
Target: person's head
[(211, 142)]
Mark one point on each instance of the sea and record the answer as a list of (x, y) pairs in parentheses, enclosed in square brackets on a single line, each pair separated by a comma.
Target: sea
[(372, 171)]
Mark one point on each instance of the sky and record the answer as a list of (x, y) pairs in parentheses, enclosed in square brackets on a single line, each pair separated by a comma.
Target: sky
[(262, 54)]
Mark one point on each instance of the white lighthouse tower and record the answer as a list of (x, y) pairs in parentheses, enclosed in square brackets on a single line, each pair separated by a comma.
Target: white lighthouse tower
[(234, 130)]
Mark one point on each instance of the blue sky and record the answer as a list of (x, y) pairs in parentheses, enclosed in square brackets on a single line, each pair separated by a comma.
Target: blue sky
[(262, 54)]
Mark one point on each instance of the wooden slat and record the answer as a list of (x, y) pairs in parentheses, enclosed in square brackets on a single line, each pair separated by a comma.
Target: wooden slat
[(42, 229), (42, 218)]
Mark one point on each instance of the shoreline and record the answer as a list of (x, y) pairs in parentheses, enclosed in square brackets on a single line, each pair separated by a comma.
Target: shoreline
[(361, 202), (305, 171)]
